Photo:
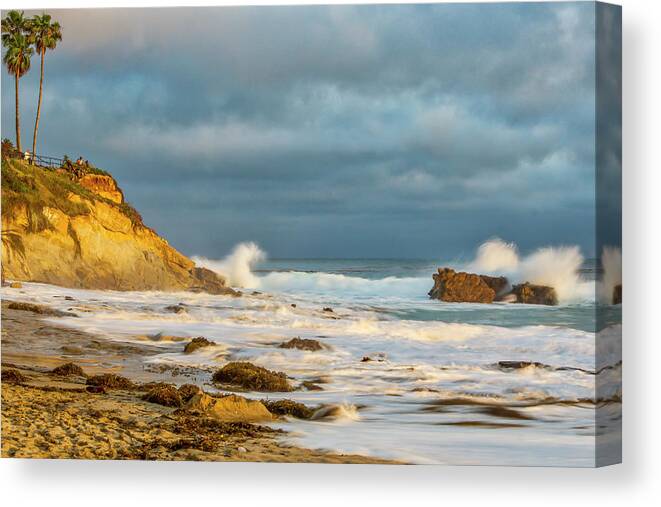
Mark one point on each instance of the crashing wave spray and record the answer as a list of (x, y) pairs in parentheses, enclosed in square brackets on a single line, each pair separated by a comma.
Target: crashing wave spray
[(496, 256), (557, 267), (237, 266)]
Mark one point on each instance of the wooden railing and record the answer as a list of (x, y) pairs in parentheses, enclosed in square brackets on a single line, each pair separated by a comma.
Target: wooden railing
[(45, 161), (36, 159)]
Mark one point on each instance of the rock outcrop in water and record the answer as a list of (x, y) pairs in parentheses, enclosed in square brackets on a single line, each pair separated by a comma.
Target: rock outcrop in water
[(81, 233), (460, 287), (535, 294), (499, 284)]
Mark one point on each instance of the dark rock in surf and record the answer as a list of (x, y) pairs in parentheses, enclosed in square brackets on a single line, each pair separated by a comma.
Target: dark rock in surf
[(205, 280), (518, 365), (531, 294), (617, 294), (380, 357), (497, 283), (197, 343), (311, 386), (460, 287), (328, 309), (302, 344), (288, 407), (179, 308)]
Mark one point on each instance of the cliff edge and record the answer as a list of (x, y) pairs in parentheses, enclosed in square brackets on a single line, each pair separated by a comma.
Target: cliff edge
[(79, 232)]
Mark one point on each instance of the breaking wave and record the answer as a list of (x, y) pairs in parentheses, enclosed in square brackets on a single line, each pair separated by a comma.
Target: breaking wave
[(557, 267), (237, 266)]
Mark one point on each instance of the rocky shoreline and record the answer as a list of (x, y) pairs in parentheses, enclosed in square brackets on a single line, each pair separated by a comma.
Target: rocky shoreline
[(70, 394)]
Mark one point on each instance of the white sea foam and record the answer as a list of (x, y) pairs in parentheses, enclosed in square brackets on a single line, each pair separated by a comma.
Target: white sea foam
[(341, 285), (496, 257), (447, 359), (344, 412), (237, 266), (557, 267)]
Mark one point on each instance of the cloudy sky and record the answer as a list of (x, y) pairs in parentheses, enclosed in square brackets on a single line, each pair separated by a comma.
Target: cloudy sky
[(350, 131)]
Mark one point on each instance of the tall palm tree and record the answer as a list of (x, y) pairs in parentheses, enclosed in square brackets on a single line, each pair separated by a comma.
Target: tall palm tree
[(12, 24), (17, 55), (17, 59), (44, 34)]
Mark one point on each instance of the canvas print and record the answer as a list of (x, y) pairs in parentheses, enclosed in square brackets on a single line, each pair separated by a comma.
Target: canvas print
[(326, 234)]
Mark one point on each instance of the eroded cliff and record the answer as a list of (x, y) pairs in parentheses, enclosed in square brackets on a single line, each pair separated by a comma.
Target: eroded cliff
[(80, 233)]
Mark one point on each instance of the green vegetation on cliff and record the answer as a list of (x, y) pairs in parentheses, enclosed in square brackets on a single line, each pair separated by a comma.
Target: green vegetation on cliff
[(37, 188)]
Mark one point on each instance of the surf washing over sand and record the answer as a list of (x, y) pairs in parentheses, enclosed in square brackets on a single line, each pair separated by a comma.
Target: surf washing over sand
[(402, 376)]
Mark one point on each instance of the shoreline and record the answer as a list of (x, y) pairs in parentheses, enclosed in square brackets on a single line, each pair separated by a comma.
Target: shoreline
[(48, 416)]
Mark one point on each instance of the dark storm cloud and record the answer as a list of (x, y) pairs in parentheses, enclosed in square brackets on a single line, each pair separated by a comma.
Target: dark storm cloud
[(376, 131)]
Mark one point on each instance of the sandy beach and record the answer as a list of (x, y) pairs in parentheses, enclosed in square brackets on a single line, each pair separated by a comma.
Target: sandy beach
[(50, 416)]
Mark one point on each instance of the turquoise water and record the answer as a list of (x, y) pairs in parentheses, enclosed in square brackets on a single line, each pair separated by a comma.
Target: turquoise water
[(399, 288)]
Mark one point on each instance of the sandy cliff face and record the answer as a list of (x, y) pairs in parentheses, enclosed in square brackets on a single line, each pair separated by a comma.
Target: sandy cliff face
[(102, 185), (56, 231)]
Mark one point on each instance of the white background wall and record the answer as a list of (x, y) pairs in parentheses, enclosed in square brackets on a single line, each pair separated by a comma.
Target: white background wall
[(636, 482)]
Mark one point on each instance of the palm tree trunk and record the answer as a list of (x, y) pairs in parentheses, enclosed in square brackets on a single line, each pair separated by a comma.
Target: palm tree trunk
[(36, 123), (18, 118)]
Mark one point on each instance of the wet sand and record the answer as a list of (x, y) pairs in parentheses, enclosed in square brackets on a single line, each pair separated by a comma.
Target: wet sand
[(47, 416)]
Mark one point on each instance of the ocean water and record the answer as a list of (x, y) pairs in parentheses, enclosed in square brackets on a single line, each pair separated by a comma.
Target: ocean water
[(440, 385)]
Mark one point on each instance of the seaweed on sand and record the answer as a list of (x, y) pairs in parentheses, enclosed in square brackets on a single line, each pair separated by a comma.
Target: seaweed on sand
[(64, 370), (13, 376), (164, 394), (111, 381), (187, 391), (250, 376)]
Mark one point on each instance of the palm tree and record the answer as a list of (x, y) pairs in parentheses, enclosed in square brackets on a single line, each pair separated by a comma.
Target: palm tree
[(12, 24), (44, 35), (17, 55)]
